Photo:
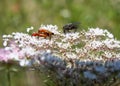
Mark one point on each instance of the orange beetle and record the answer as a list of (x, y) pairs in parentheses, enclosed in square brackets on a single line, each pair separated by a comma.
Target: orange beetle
[(35, 34), (43, 33), (47, 32)]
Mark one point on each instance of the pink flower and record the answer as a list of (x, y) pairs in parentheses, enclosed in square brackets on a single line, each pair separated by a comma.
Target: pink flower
[(4, 54), (9, 53)]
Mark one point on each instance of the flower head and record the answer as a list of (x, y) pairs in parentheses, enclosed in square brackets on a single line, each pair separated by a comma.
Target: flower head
[(92, 54)]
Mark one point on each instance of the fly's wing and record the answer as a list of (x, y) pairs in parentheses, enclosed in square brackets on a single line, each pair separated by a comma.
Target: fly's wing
[(71, 25), (74, 26)]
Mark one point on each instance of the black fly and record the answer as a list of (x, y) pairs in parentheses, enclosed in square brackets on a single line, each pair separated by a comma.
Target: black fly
[(70, 27)]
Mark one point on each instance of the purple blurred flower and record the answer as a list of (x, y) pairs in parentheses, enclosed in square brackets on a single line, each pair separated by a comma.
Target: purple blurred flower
[(89, 75)]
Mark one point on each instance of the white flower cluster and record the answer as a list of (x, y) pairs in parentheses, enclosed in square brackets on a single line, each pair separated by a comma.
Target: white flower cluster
[(95, 53), (94, 44)]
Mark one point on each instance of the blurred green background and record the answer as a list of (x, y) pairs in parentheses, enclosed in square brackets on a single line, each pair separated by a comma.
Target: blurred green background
[(17, 15)]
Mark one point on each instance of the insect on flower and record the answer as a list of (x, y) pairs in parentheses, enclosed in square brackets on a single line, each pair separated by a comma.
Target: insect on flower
[(43, 33), (70, 27)]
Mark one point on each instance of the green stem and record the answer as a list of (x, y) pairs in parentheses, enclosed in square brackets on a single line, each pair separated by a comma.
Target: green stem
[(8, 75)]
